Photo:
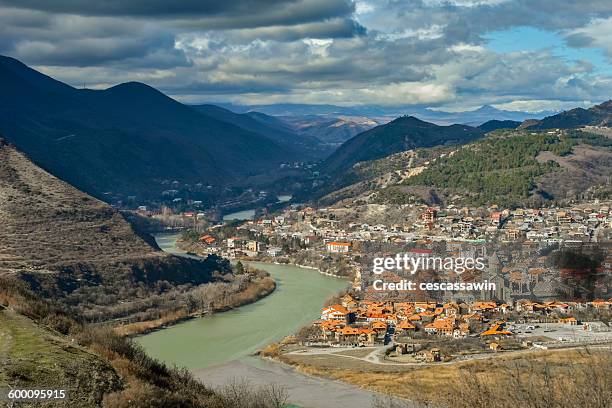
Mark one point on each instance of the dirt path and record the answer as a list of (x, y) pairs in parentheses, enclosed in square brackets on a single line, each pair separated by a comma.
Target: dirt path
[(375, 356)]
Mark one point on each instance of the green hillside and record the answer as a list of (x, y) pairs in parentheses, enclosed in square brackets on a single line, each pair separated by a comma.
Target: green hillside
[(33, 356), (502, 168)]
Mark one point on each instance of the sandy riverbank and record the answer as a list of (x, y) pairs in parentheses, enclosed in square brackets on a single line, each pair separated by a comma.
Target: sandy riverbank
[(304, 390)]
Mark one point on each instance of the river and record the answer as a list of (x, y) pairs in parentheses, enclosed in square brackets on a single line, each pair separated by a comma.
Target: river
[(220, 348), (250, 214)]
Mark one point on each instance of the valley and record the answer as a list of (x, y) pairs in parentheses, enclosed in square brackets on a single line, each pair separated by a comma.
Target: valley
[(267, 221)]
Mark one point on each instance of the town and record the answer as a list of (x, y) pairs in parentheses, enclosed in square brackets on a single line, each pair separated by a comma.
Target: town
[(524, 248), (423, 331)]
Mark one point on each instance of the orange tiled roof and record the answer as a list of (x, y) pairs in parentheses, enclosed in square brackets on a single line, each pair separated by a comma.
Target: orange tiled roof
[(496, 331), (336, 308), (406, 325), (442, 324), (485, 305), (379, 325), (342, 244), (347, 331)]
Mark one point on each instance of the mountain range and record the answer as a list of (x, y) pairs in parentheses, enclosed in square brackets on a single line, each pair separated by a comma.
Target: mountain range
[(128, 138), (384, 114), (132, 140), (332, 131)]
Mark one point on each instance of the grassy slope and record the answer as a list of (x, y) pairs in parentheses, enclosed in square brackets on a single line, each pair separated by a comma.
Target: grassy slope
[(31, 356)]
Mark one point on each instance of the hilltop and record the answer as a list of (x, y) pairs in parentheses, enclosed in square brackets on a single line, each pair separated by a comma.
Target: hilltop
[(402, 134), (494, 124)]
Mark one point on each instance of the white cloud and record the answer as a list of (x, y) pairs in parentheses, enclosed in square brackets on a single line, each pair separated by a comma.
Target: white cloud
[(597, 34), (465, 3), (540, 105)]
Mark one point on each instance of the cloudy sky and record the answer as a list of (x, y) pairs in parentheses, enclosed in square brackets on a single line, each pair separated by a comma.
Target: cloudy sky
[(449, 54)]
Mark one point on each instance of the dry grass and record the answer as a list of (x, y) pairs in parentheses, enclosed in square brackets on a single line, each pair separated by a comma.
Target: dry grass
[(505, 381), (363, 352), (131, 329)]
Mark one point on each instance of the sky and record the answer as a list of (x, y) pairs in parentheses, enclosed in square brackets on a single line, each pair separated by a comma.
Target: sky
[(455, 55)]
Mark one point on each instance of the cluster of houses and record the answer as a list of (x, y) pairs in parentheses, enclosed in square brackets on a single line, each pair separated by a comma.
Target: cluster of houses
[(519, 270), (576, 224), (330, 230), (355, 322)]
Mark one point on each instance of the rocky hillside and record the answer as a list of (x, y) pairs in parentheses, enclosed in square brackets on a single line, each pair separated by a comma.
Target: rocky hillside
[(78, 250), (333, 131)]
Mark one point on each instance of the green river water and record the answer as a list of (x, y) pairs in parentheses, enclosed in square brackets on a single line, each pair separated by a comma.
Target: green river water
[(234, 335)]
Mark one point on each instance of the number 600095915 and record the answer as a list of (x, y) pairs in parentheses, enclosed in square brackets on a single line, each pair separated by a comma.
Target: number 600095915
[(29, 394)]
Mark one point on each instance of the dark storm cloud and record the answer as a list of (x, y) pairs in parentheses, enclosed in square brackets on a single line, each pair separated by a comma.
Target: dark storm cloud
[(205, 13), (334, 28), (130, 52), (81, 33), (578, 40), (47, 39)]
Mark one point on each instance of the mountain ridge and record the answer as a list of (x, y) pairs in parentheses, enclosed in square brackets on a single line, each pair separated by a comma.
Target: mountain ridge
[(128, 137), (401, 134), (385, 113), (263, 124), (597, 115)]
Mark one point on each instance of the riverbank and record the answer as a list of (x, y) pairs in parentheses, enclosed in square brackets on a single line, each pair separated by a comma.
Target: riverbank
[(303, 390), (252, 293), (239, 333), (271, 260), (301, 262)]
